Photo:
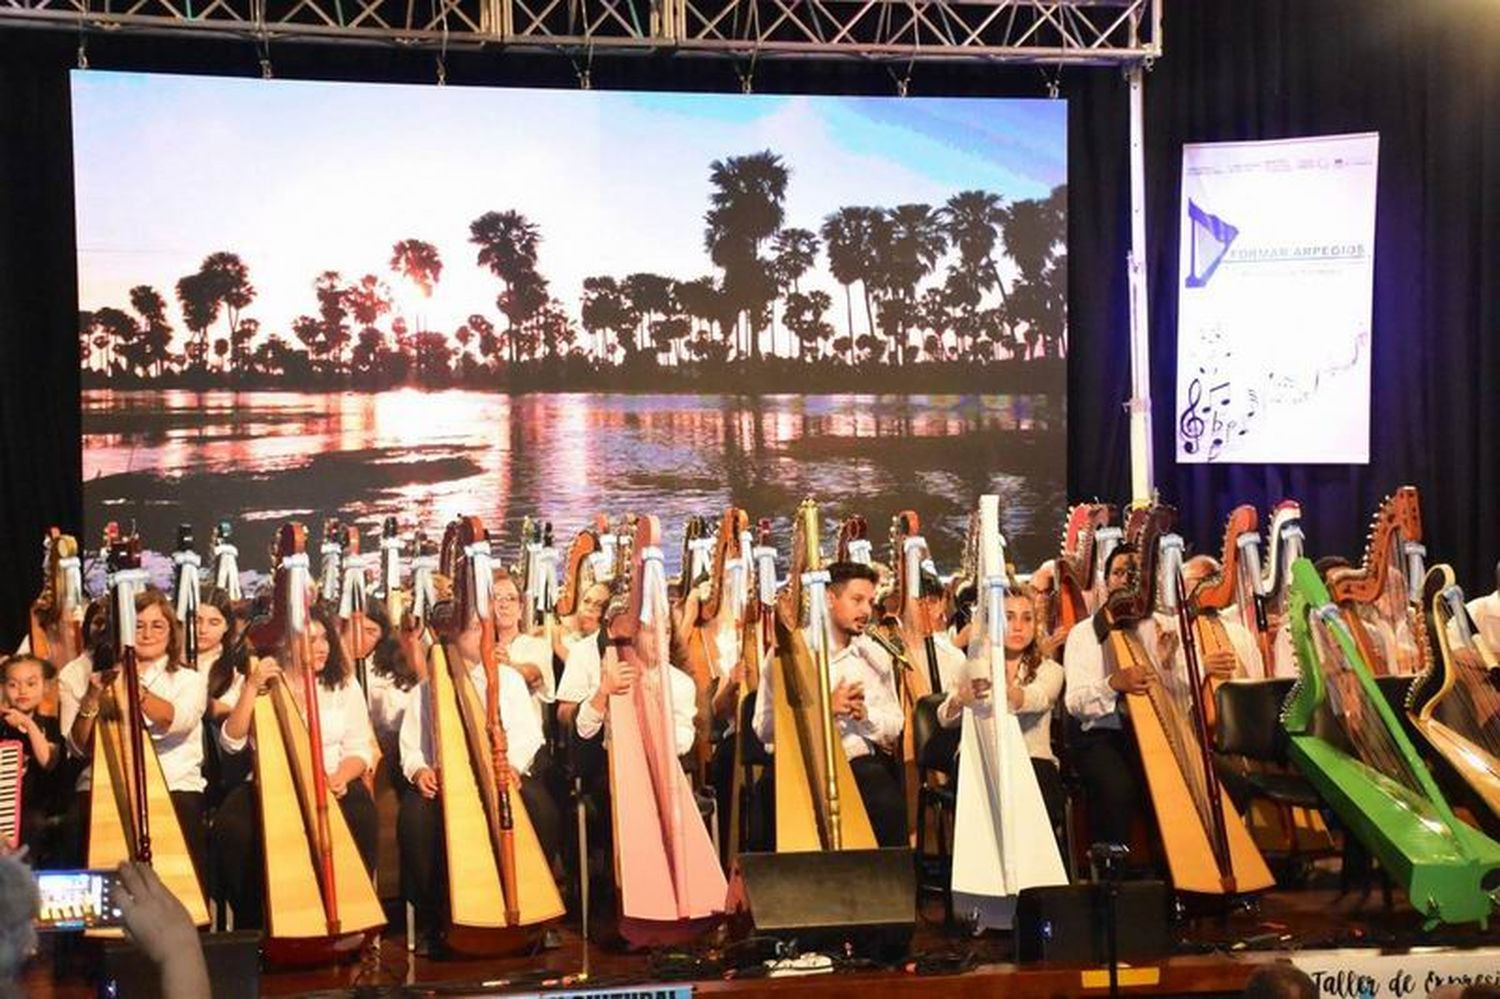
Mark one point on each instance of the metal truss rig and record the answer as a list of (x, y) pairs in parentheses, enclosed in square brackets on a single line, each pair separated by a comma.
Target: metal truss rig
[(1097, 32)]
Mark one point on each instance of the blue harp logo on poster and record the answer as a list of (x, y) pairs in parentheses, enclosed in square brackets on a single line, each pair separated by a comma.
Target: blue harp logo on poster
[(1210, 238)]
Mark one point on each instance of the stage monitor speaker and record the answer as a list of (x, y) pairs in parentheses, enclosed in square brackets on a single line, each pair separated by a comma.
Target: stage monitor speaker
[(828, 897), (233, 961), (1066, 923)]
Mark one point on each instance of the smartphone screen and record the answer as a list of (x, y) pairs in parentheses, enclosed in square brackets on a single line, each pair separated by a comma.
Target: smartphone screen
[(77, 900)]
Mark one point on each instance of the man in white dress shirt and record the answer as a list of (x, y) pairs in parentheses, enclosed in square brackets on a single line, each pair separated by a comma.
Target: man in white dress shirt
[(863, 701), (419, 824), (1102, 752)]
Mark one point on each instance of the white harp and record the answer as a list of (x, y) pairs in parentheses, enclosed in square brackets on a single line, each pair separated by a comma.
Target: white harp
[(1002, 837)]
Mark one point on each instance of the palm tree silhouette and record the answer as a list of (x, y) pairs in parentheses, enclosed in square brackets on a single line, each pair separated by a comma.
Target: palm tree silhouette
[(419, 263), (971, 220), (367, 301), (853, 235), (555, 332), (200, 307), (606, 309), (699, 300), (326, 334), (156, 332), (228, 280), (917, 243), (649, 295), (488, 344), (746, 209), (795, 251), (1035, 234), (88, 330), (508, 248), (120, 333), (804, 317)]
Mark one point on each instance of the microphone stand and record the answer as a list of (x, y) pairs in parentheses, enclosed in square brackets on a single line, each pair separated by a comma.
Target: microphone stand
[(1106, 857)]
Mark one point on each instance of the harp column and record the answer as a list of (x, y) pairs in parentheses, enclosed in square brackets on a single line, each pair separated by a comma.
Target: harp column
[(1142, 468)]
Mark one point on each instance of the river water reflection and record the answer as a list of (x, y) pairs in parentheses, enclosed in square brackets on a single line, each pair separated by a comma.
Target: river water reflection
[(256, 458)]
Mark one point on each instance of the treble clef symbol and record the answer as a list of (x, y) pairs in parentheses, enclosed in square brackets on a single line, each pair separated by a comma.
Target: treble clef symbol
[(1190, 424)]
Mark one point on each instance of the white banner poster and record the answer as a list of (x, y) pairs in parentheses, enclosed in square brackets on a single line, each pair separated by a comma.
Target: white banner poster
[(1275, 282), (1369, 974)]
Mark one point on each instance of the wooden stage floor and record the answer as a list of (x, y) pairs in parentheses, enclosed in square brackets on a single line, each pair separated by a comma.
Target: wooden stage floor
[(1216, 955)]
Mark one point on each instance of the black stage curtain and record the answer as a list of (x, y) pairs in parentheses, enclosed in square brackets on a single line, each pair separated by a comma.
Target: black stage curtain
[(1426, 76), (39, 419)]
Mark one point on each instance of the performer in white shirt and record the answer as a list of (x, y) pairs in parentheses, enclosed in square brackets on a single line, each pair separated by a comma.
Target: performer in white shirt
[(172, 704), (1033, 684), (528, 656), (583, 695), (1103, 754), (391, 683), (583, 625), (419, 824), (863, 702), (1485, 611), (1242, 659), (348, 745)]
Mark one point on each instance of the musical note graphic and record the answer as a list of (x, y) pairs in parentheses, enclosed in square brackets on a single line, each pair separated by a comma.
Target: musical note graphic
[(1190, 424)]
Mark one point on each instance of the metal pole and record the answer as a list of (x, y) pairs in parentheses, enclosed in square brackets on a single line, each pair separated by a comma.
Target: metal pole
[(1142, 467)]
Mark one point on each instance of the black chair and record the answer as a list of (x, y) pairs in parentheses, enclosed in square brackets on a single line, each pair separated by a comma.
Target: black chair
[(1249, 728), (936, 751), (752, 754)]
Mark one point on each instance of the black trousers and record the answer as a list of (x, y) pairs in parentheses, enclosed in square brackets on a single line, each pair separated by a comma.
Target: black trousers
[(419, 835), (239, 865), (358, 806), (236, 856), (878, 778), (1050, 781), (189, 807), (1108, 766), (721, 779)]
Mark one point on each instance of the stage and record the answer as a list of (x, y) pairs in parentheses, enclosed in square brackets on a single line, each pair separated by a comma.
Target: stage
[(1344, 938)]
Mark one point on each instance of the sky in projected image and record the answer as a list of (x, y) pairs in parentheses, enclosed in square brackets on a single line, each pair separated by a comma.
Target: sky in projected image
[(935, 374), (301, 177)]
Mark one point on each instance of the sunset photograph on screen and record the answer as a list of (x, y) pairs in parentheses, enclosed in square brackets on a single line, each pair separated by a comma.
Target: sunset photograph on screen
[(332, 300)]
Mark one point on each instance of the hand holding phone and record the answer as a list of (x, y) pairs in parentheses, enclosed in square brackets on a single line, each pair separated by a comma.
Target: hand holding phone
[(77, 900)]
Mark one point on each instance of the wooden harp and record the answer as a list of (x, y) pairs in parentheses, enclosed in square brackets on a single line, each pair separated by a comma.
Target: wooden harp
[(319, 903), (500, 885), (1378, 598), (1455, 704), (1217, 594), (757, 641), (1078, 563), (818, 806), (56, 625), (1284, 542), (131, 815), (722, 608), (1208, 848)]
